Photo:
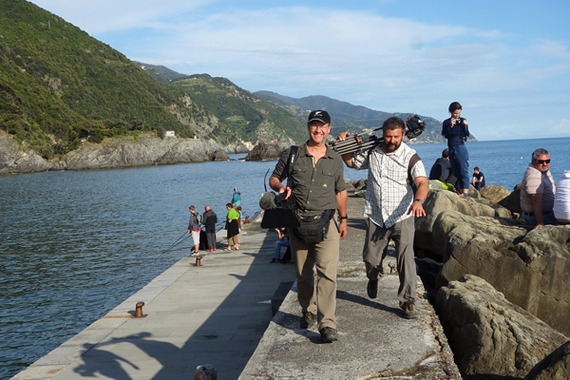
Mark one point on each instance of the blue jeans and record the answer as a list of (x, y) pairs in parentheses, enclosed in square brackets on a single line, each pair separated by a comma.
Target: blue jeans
[(547, 217), (459, 160), (278, 245)]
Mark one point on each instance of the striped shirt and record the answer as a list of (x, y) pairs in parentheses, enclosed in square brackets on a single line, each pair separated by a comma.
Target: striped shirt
[(536, 182), (389, 193)]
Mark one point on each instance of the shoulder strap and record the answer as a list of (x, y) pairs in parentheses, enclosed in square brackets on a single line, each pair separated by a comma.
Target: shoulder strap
[(413, 160), (292, 158), (290, 161)]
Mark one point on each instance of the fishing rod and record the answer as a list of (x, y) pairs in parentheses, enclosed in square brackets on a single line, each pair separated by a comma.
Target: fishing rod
[(178, 241), (413, 126)]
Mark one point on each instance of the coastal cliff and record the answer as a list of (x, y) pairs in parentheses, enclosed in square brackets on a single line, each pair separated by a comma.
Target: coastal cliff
[(130, 151)]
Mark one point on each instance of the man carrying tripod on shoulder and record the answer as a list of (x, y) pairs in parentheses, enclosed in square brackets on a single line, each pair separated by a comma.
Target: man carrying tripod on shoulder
[(390, 207)]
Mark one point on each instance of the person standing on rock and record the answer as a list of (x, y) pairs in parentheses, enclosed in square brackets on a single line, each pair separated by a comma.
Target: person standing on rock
[(537, 190), (210, 219), (316, 180), (456, 132), (390, 207)]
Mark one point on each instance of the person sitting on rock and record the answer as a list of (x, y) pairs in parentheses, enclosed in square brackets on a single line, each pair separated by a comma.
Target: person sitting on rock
[(561, 206), (441, 171), (537, 190), (478, 180)]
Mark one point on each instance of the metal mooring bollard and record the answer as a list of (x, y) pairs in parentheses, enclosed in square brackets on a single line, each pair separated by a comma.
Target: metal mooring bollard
[(139, 310), (198, 261), (205, 372)]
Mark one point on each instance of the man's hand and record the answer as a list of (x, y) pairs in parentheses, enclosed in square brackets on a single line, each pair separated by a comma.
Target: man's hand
[(343, 228), (417, 210), (347, 157), (286, 189)]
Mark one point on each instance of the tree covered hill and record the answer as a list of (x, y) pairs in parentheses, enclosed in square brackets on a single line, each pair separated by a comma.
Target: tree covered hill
[(239, 111), (59, 86)]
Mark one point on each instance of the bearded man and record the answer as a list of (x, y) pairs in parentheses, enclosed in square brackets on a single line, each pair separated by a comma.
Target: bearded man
[(390, 207)]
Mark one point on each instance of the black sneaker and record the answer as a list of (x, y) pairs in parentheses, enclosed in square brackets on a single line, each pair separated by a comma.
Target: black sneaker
[(372, 288), (274, 260), (308, 320), (328, 335)]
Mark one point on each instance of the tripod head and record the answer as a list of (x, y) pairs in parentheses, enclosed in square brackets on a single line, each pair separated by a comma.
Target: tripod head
[(414, 126)]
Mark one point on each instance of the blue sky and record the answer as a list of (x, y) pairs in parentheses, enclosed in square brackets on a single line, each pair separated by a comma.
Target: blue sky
[(507, 62)]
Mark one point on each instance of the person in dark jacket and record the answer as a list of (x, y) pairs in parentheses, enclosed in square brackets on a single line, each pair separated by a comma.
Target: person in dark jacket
[(456, 132), (441, 170), (194, 229), (209, 219), (478, 178)]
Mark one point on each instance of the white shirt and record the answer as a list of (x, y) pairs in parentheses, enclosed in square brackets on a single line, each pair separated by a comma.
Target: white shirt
[(562, 197), (389, 193)]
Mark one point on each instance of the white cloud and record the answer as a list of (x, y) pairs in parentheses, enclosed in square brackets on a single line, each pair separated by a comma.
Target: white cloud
[(385, 63)]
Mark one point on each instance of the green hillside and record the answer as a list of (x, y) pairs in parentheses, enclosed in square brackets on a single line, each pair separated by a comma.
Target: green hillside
[(244, 114), (59, 85)]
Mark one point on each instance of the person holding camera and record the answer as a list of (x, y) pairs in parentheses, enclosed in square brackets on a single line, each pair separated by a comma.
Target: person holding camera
[(316, 181), (456, 132)]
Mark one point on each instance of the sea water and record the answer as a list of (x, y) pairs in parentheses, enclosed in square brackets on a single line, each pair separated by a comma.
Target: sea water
[(73, 245)]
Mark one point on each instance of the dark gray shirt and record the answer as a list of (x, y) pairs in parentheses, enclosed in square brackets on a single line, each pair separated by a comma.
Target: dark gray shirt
[(314, 186)]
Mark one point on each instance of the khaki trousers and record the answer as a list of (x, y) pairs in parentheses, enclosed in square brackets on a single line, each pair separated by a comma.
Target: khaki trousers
[(377, 238), (323, 257)]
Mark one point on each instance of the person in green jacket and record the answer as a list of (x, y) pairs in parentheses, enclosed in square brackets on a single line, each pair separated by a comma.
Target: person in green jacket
[(232, 226)]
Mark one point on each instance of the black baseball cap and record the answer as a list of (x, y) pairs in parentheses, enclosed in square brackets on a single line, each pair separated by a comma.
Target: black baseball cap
[(319, 115)]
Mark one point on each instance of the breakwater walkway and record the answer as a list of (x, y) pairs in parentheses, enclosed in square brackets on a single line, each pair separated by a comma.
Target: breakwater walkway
[(220, 313)]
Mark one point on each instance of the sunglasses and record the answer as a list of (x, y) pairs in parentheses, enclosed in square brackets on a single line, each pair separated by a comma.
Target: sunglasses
[(542, 162)]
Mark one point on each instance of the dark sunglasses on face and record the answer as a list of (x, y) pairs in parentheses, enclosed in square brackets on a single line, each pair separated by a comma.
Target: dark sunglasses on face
[(542, 162)]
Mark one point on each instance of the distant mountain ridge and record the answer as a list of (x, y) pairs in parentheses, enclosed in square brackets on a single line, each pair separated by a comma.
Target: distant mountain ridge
[(348, 117)]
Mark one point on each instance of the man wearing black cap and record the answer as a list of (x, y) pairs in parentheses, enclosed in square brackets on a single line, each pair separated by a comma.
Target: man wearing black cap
[(317, 183)]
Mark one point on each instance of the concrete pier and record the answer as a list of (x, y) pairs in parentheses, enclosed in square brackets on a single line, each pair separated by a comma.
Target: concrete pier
[(220, 313)]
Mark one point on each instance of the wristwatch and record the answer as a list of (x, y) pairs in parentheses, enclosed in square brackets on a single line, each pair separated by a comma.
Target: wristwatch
[(419, 200), (343, 217)]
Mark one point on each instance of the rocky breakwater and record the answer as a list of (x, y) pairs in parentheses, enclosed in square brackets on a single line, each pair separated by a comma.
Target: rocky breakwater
[(142, 150), (502, 289), (266, 151)]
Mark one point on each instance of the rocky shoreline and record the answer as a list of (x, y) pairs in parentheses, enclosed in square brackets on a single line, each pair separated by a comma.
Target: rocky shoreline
[(500, 288), (130, 151)]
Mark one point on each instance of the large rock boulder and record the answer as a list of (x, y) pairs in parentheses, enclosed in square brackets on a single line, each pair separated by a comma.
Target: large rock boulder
[(14, 159), (555, 366), (439, 201), (264, 151), (512, 202), (495, 193), (531, 268), (488, 334), (139, 151)]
